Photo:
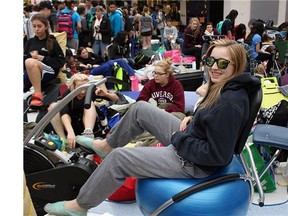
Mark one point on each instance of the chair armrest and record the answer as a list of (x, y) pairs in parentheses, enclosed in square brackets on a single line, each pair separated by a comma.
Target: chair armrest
[(272, 135)]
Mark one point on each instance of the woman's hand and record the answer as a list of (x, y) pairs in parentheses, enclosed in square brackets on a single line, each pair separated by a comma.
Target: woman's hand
[(40, 58), (71, 139), (34, 54), (100, 92), (184, 123)]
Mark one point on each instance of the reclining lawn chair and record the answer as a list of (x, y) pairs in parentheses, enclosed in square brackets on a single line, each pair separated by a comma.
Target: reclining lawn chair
[(227, 192)]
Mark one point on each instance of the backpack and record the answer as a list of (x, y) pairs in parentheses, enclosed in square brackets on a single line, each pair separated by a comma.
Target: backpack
[(123, 75), (128, 24), (141, 60), (65, 23), (219, 26), (89, 19)]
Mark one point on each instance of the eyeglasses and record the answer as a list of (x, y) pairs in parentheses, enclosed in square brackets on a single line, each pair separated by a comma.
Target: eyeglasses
[(158, 73), (221, 63)]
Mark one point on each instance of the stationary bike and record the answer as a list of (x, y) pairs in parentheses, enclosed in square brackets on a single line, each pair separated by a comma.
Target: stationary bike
[(53, 175)]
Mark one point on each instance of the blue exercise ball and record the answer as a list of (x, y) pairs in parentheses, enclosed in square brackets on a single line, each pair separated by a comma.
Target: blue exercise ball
[(228, 198)]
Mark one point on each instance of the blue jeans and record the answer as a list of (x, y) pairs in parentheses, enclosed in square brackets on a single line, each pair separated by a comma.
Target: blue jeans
[(167, 43), (162, 35), (99, 47)]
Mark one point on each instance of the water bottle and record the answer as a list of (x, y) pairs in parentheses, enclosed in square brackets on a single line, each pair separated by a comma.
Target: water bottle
[(134, 83), (194, 65)]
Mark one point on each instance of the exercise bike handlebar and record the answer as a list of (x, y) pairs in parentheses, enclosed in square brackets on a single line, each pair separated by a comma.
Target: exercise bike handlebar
[(87, 102)]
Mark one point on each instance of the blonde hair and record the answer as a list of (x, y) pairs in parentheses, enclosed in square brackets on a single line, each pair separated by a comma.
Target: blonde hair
[(75, 78), (197, 30), (238, 57), (166, 65)]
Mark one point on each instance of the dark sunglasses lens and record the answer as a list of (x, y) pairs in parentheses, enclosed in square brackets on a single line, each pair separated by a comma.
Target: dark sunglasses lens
[(222, 63), (209, 61)]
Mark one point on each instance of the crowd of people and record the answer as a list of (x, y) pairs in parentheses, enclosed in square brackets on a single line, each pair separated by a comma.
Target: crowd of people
[(100, 37), (96, 25)]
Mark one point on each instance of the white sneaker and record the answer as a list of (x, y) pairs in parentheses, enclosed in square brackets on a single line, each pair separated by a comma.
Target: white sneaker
[(88, 133)]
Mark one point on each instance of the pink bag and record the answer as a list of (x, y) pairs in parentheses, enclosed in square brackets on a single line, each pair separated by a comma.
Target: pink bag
[(171, 53), (189, 59), (176, 58)]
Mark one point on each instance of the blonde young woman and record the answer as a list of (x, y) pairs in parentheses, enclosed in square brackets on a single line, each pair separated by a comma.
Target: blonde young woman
[(193, 147), (193, 41), (166, 92), (73, 118)]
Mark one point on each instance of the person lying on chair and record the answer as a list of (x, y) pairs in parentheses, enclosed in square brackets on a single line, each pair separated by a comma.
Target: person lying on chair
[(194, 148), (43, 58)]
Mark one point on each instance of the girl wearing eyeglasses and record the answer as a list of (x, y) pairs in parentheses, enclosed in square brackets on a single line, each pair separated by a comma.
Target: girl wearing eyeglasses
[(193, 148), (166, 92)]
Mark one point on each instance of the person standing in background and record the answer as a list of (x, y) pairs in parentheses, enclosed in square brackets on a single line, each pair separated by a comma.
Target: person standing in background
[(100, 32), (228, 24), (73, 43), (45, 8), (84, 34), (115, 19), (160, 18), (146, 28)]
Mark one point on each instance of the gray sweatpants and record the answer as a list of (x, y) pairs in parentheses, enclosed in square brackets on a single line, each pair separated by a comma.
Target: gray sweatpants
[(140, 162)]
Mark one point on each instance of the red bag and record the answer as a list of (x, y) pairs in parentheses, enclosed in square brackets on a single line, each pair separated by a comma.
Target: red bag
[(126, 192)]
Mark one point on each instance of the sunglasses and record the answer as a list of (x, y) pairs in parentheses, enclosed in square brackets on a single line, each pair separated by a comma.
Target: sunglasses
[(158, 73), (221, 63)]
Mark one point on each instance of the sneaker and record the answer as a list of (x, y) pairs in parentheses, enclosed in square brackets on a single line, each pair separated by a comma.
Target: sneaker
[(64, 144), (88, 133), (88, 143), (36, 101)]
